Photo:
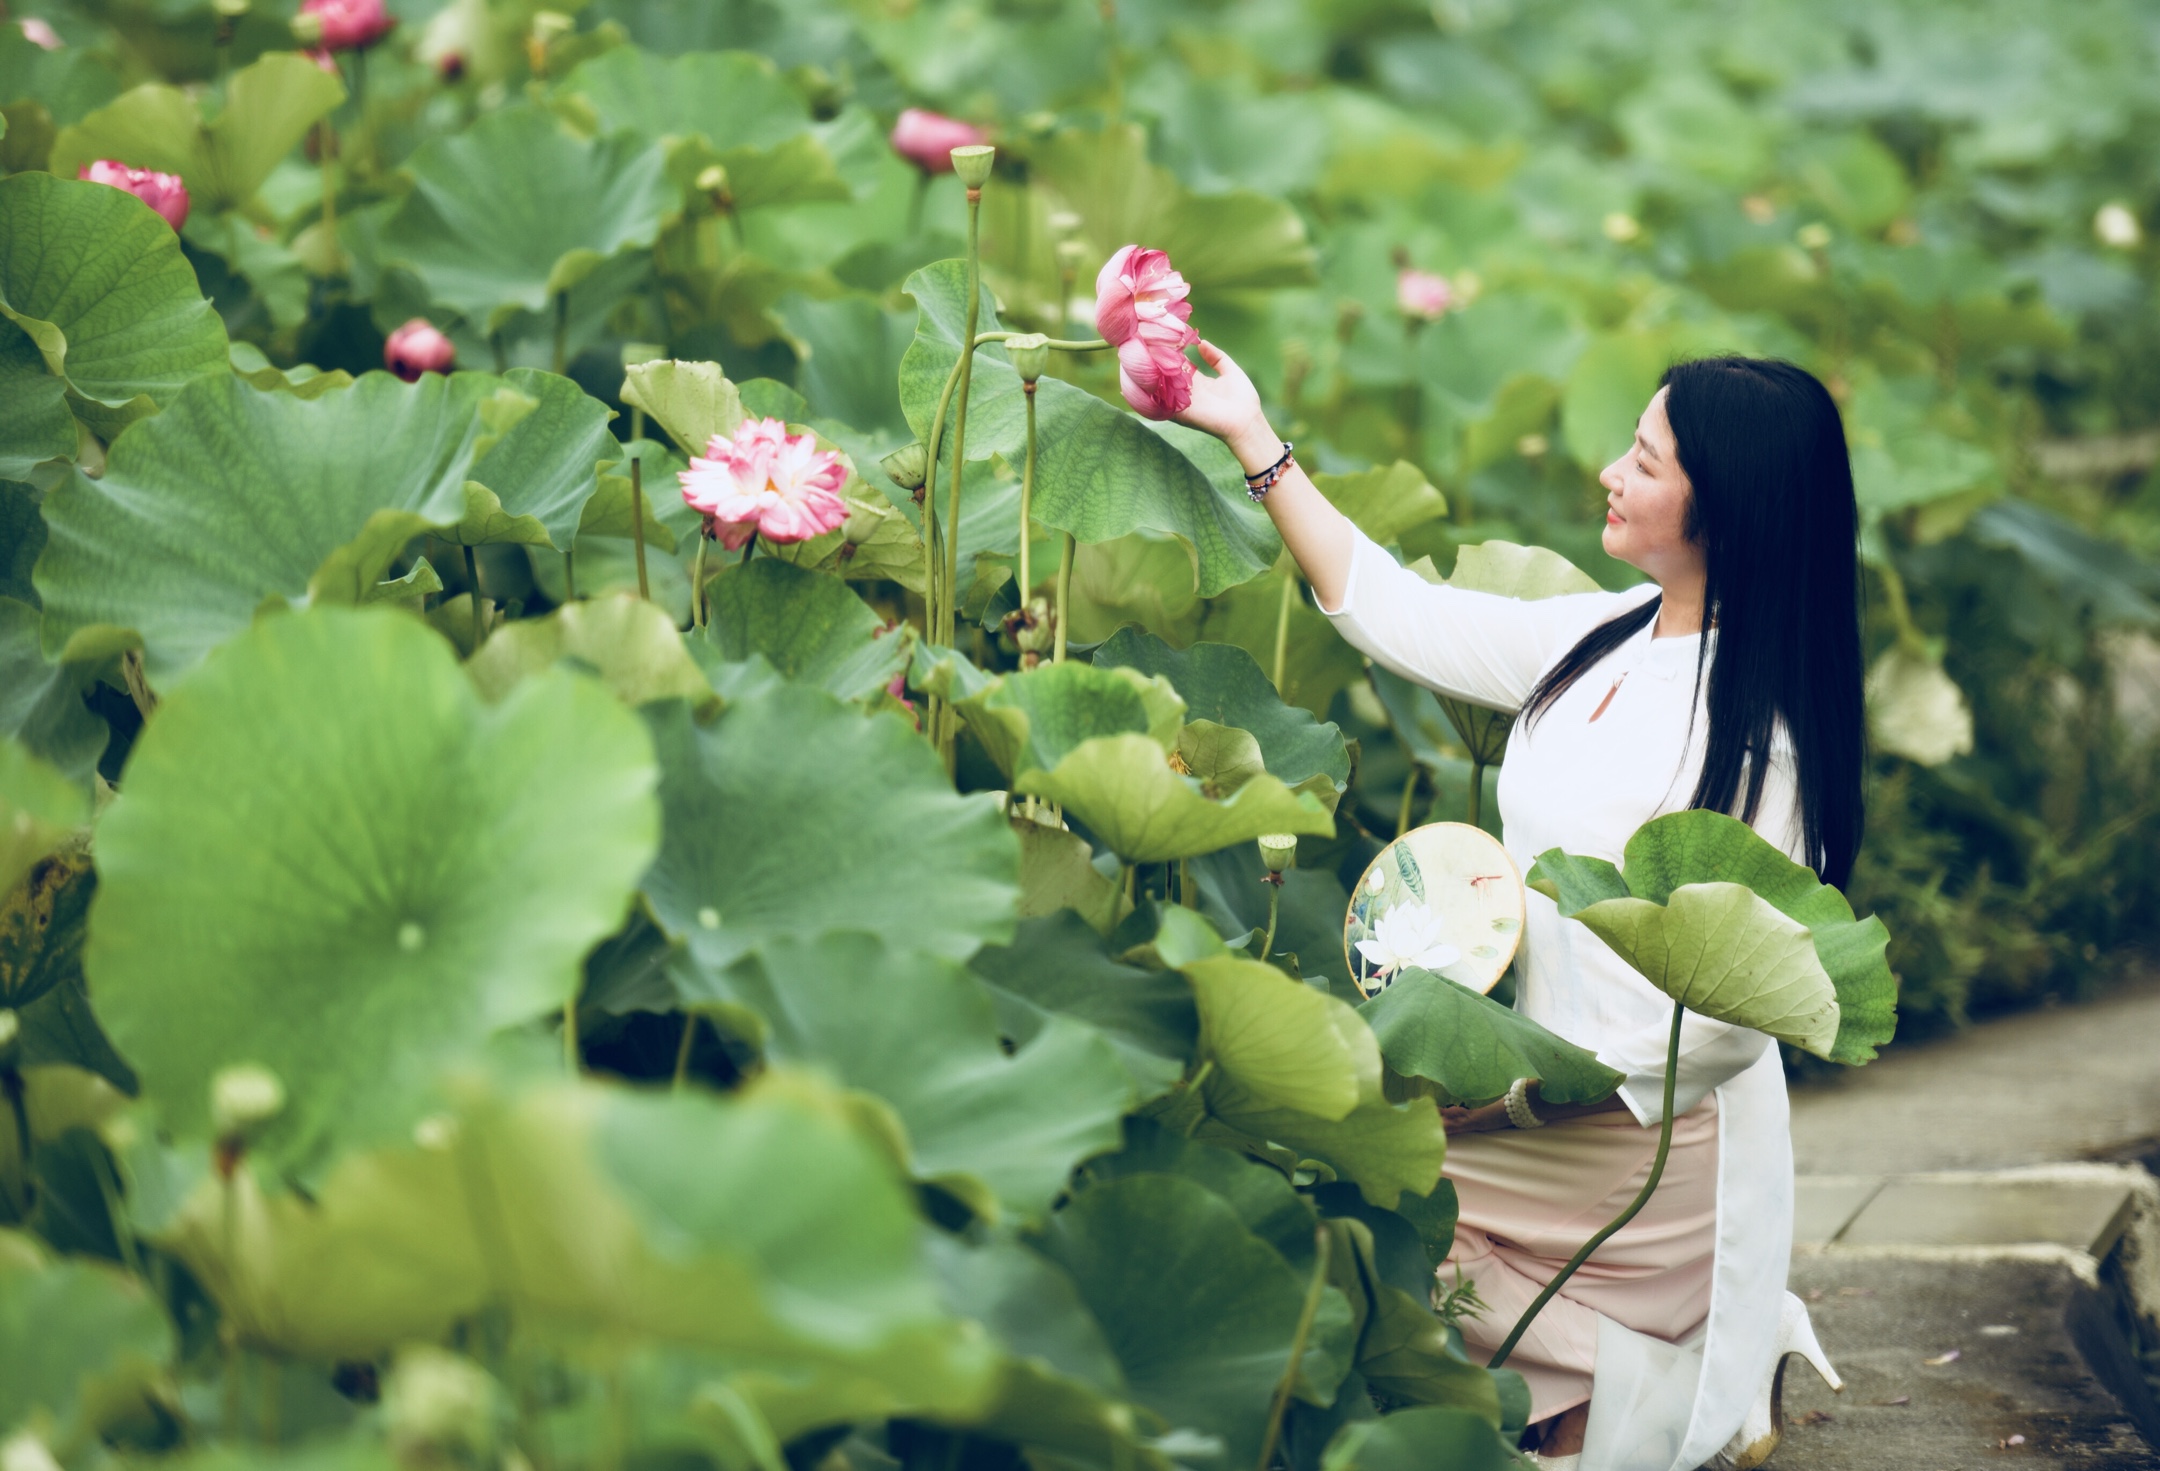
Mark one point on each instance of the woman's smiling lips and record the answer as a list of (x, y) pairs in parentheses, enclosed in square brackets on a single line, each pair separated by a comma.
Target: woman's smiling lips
[(1612, 517)]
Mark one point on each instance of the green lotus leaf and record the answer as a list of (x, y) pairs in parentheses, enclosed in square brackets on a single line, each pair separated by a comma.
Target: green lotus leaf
[(808, 626), (516, 209), (1471, 1048), (1404, 1350), (41, 702), (1030, 721), (269, 106), (1057, 871), (1058, 967), (1422, 1438), (1199, 1312), (1385, 502), (608, 514), (330, 864), (35, 425), (851, 823), (1513, 571), (1225, 684), (1100, 472), (587, 1211), (1286, 1044), (1122, 787), (542, 466), (629, 643), (97, 283), (1223, 758), (41, 927), (1002, 1133), (39, 807), (1316, 661), (849, 350), (693, 402), (1698, 847), (79, 1341)]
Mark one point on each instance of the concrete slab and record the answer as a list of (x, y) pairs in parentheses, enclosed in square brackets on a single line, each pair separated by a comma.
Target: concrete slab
[(1990, 1210), (2016, 1372), (1823, 1205)]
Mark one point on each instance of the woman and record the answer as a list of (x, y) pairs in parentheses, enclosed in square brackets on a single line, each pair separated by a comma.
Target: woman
[(1736, 501)]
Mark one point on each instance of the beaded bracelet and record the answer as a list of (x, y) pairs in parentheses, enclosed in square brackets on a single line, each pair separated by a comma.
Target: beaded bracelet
[(1257, 486), (1519, 1112)]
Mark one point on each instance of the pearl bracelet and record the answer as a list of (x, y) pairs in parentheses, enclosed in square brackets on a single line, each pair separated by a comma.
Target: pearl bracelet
[(1519, 1112)]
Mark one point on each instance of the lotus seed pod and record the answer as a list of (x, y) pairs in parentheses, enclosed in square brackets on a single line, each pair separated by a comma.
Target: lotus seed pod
[(307, 29), (1278, 851), (634, 353), (244, 1097), (712, 178), (1037, 631), (439, 1402), (1030, 354), (909, 466), (972, 164)]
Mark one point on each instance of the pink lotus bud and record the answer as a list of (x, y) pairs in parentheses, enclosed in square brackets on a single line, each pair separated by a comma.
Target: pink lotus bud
[(1141, 310), (926, 139), (766, 482), (162, 192), (1423, 295), (40, 33), (349, 25), (416, 348)]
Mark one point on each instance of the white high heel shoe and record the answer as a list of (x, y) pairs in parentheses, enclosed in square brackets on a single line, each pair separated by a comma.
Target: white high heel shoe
[(1759, 1433)]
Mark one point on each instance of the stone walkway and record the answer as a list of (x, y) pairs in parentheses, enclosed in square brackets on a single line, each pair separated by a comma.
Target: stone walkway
[(1978, 1240)]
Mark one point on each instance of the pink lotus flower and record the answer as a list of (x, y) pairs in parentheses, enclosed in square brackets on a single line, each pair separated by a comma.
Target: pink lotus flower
[(926, 139), (162, 192), (1423, 295), (1141, 310), (349, 25), (40, 33), (417, 348), (766, 482)]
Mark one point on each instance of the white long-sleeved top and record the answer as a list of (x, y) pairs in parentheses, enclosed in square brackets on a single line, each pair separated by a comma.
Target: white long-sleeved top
[(1585, 785)]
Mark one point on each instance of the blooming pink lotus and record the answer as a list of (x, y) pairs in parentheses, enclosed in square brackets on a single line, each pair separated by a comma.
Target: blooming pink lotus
[(1141, 310), (926, 139), (349, 25), (1423, 295), (39, 33), (162, 192), (416, 348), (766, 482)]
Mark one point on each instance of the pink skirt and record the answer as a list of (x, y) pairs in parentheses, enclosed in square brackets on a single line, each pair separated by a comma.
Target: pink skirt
[(1530, 1199)]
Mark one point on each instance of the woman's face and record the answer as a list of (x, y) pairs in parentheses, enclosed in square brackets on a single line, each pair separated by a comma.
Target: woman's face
[(1647, 496)]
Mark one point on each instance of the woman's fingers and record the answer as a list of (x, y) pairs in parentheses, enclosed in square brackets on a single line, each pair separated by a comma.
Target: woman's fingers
[(1212, 355)]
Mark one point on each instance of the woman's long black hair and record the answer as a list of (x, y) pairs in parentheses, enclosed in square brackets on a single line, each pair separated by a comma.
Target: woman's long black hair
[(1773, 510)]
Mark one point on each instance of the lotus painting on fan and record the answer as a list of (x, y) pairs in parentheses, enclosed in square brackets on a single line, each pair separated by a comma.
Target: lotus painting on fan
[(1445, 898)]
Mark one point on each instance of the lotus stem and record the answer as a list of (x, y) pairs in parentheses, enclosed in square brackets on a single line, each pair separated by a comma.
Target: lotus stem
[(561, 358), (1282, 626), (1064, 596), (682, 1051), (569, 574), (1027, 501), (1186, 893), (933, 558), (960, 419), (502, 358), (479, 619), (1274, 911), (1642, 1198), (697, 583), (1058, 344), (572, 1059), (637, 521), (1409, 794), (1314, 1292), (1477, 791), (326, 156)]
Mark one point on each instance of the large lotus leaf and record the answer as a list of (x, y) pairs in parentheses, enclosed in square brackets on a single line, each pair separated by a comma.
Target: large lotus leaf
[(1122, 787), (765, 1226), (794, 815), (41, 702), (42, 925), (35, 425), (75, 1336), (1000, 1132), (1722, 950), (1422, 1438), (1030, 721), (1059, 967), (628, 642), (1200, 1313), (97, 282), (1385, 502), (1286, 1044), (807, 625), (1606, 392), (269, 106), (516, 209), (1058, 872), (1236, 241), (1470, 356), (1387, 1150), (233, 496), (1514, 571), (1100, 472), (849, 350), (729, 98), (544, 464), (39, 806), (1223, 683), (608, 514), (331, 863), (1471, 1048), (691, 401), (1405, 1353), (1703, 847), (1317, 663)]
